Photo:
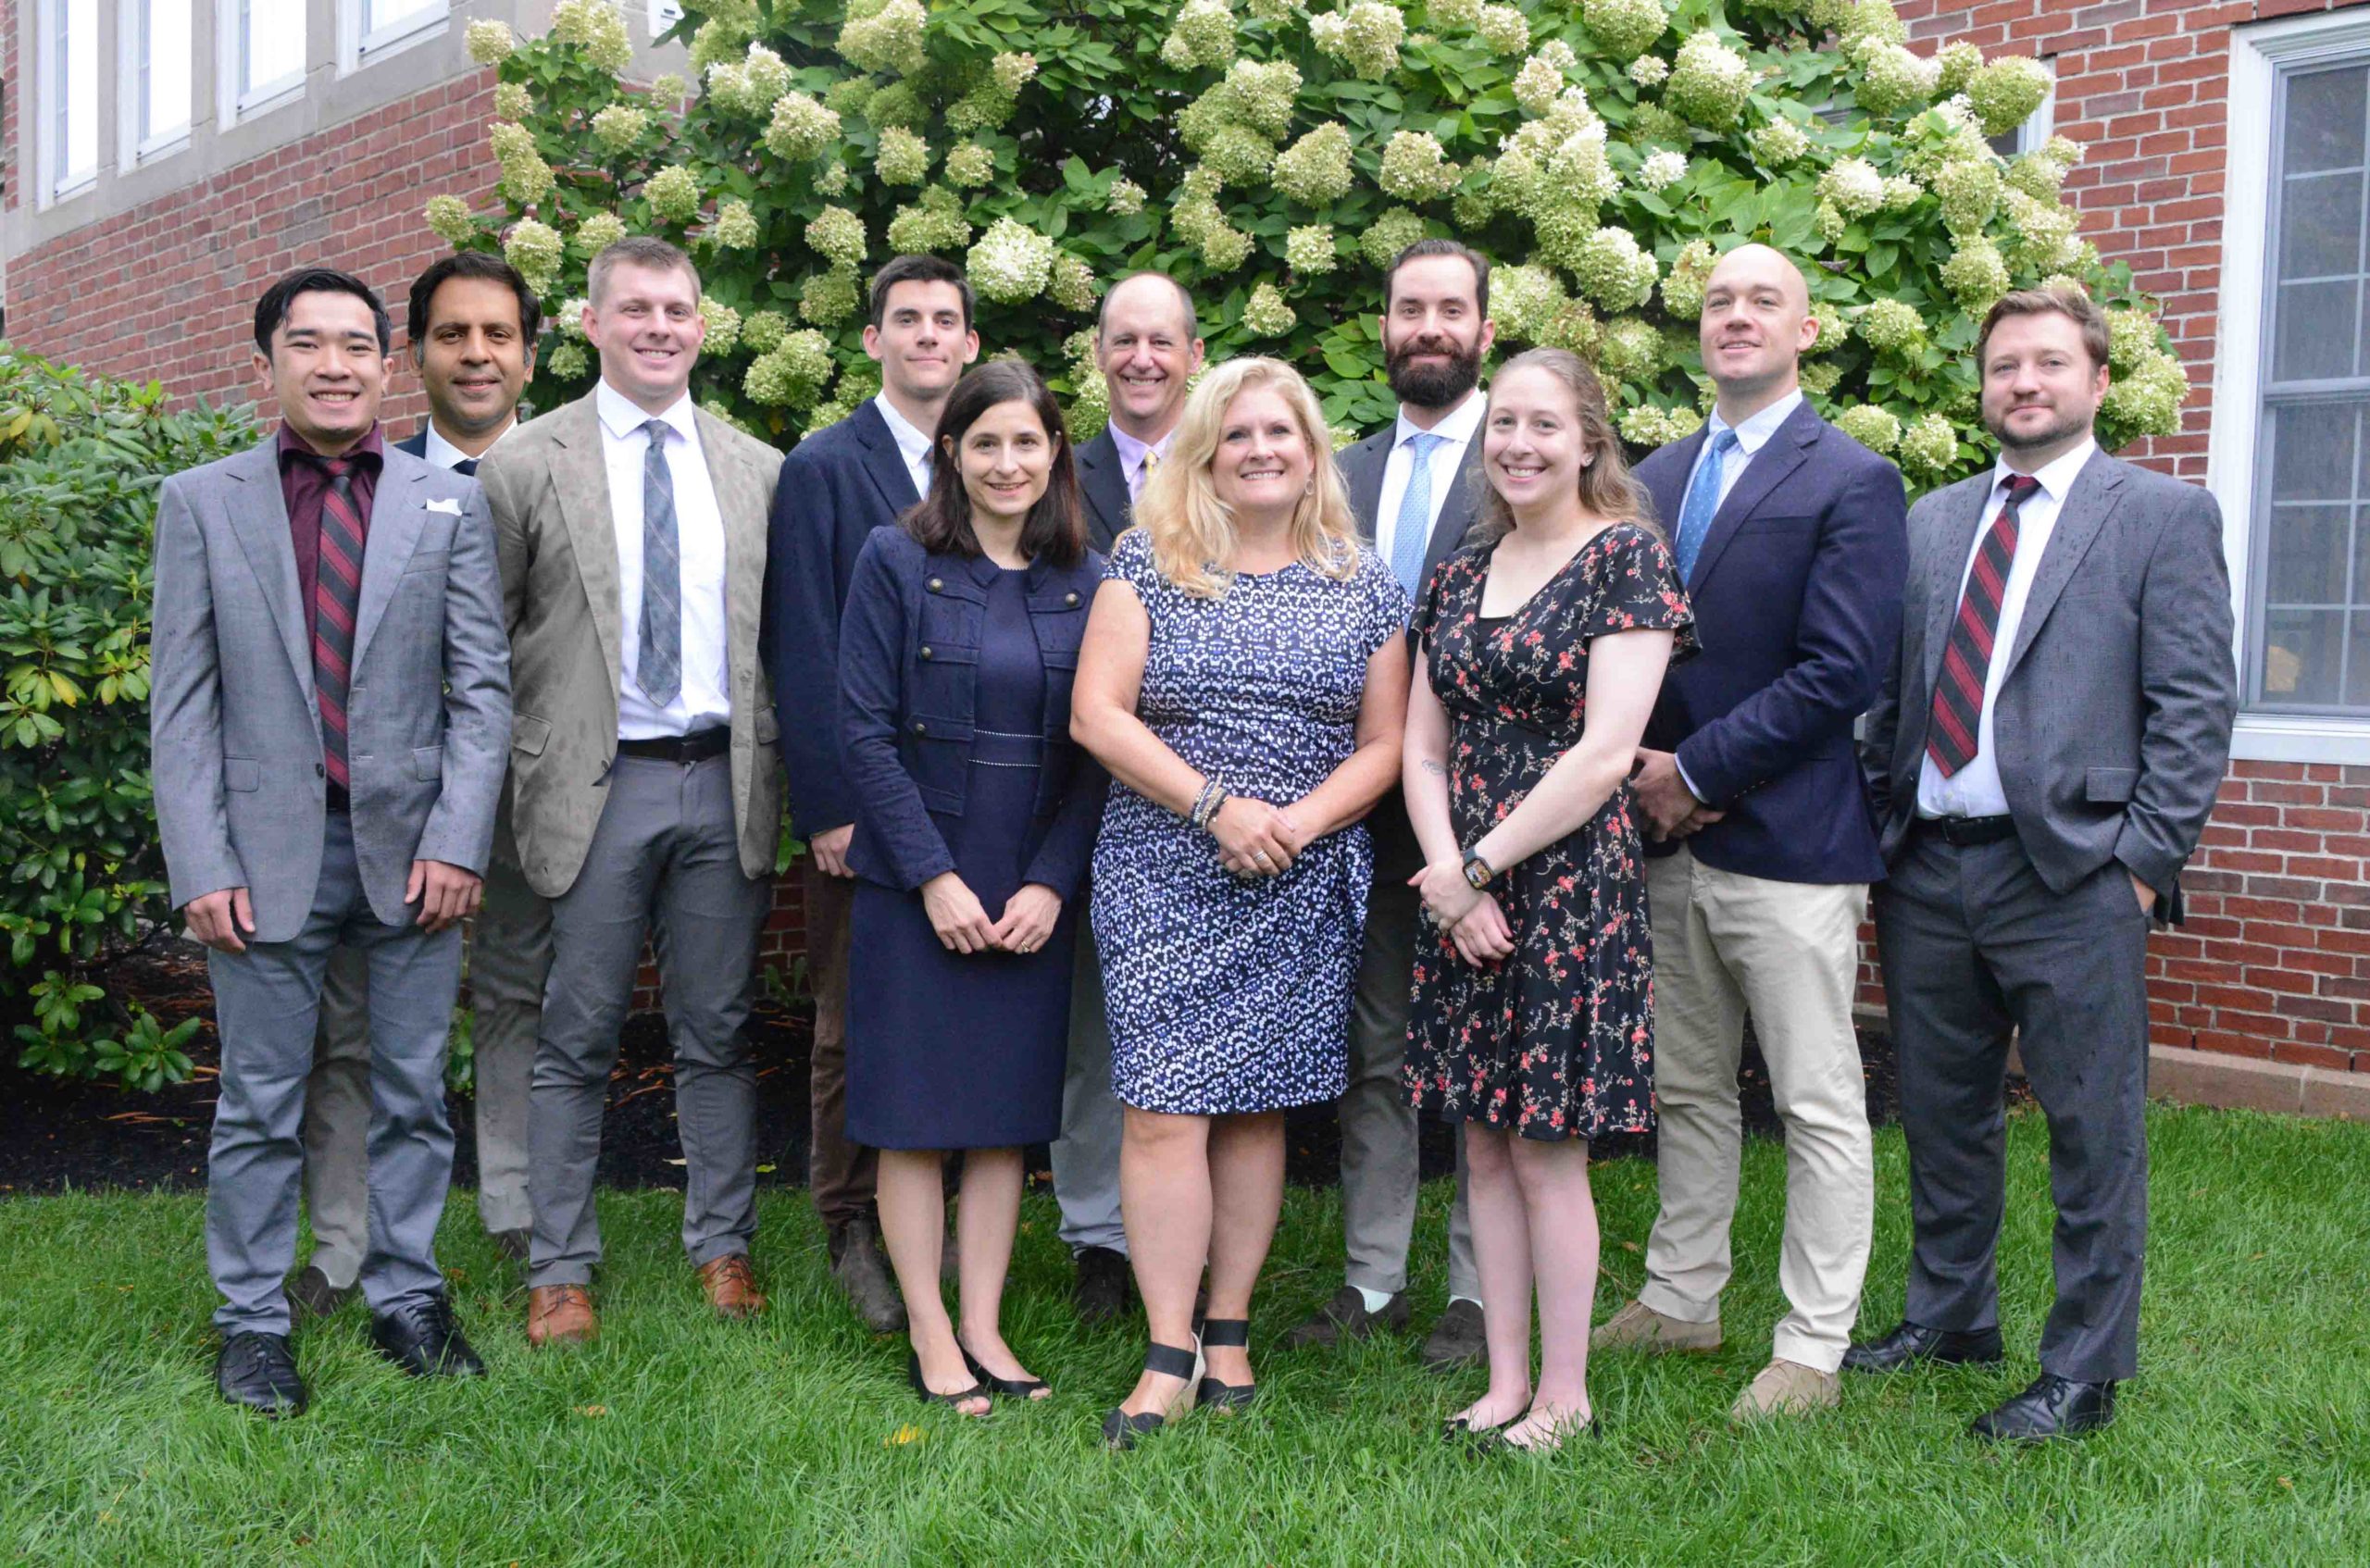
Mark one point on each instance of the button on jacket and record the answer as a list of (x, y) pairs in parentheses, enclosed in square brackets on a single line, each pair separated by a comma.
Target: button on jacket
[(909, 649)]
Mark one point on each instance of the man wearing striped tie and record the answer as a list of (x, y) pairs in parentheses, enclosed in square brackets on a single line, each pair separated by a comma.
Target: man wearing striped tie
[(329, 715), (2043, 756)]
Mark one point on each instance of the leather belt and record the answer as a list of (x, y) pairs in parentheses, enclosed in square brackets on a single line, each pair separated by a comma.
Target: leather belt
[(1964, 832), (698, 746)]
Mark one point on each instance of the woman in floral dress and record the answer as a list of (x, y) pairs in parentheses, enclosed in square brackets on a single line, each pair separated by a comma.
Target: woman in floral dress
[(1543, 644)]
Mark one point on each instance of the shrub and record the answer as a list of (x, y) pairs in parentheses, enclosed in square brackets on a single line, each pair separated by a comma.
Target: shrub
[(81, 458), (1052, 147)]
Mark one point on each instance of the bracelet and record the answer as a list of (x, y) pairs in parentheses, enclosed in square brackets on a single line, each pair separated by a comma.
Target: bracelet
[(1205, 805)]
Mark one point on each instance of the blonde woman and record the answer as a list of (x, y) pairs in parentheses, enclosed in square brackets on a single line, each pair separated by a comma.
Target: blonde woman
[(1244, 679)]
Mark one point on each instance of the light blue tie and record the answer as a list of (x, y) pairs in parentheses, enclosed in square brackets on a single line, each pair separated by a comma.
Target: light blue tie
[(1411, 540), (1703, 501)]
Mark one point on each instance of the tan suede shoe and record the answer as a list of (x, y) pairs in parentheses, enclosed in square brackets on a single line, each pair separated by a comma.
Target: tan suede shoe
[(1787, 1387), (1639, 1327), (561, 1315), (731, 1285)]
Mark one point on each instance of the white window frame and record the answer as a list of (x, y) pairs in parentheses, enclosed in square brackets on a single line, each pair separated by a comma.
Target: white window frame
[(664, 14), (238, 105), (2232, 462), (356, 48), (57, 183), (134, 100)]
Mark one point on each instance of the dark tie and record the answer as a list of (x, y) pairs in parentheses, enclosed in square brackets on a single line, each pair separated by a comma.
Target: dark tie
[(467, 468), (1966, 657), (337, 589)]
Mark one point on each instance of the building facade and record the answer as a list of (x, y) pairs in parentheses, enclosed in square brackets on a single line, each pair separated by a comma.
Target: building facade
[(165, 158)]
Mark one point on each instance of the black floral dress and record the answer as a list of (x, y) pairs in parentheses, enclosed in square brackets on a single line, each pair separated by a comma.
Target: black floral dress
[(1555, 1041)]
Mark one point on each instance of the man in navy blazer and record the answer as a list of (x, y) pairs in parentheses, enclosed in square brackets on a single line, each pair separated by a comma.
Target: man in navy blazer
[(1792, 539), (835, 487)]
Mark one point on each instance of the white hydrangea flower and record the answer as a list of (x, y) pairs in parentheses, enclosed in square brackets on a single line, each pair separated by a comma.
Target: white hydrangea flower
[(1615, 271), (1073, 284), (668, 88), (1505, 29), (903, 157), (1890, 325), (568, 363), (1626, 28), (1651, 426), (2131, 337), (723, 326), (1872, 427), (489, 43), (1010, 263), (2044, 233), (1779, 143), (1366, 37), (735, 228), (1267, 314), (1415, 169), (1454, 13), (1202, 34), (1125, 199), (2005, 93), (2148, 401), (969, 166), (826, 299), (1662, 169), (1630, 349), (802, 128), (1309, 249), (1709, 82), (512, 101), (1852, 187), (1314, 170), (570, 319), (764, 77), (598, 233), (1929, 446), (1893, 79), (1955, 65), (1387, 235), (762, 330), (448, 218), (1683, 287), (1969, 191), (888, 39), (535, 250), (620, 126), (1975, 274), (595, 26), (837, 235), (1524, 299), (673, 194), (1649, 71), (1012, 72), (1902, 192)]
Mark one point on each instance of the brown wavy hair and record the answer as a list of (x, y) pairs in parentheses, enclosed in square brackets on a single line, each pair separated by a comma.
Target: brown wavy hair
[(1607, 488)]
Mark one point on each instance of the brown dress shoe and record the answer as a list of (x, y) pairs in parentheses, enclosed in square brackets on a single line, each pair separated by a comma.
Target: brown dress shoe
[(561, 1315), (731, 1285)]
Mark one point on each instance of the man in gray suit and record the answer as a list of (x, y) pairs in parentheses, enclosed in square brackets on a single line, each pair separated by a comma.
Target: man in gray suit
[(1414, 487), (2044, 757), (644, 787), (330, 708)]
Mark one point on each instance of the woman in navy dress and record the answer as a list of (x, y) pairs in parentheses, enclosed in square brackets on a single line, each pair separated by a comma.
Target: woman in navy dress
[(1245, 680), (1544, 640), (974, 821)]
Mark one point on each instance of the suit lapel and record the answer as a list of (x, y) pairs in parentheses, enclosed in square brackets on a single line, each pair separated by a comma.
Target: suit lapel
[(1779, 457), (740, 501), (1458, 510), (1102, 478), (259, 517), (1667, 500), (397, 515), (1949, 564), (2088, 506), (1362, 477), (882, 461), (580, 480)]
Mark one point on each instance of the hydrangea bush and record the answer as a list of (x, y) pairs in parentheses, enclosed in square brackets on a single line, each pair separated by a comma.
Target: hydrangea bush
[(1274, 156)]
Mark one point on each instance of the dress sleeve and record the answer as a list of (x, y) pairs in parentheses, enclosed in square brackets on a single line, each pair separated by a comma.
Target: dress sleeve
[(1130, 561), (1638, 589)]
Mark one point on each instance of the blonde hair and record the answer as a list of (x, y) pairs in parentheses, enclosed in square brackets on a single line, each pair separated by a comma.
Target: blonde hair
[(1192, 530), (1607, 488)]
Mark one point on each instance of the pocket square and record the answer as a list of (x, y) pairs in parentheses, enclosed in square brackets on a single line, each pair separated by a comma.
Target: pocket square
[(454, 507)]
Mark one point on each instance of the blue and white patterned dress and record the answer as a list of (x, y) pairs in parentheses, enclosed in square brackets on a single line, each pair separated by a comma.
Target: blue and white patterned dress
[(1228, 996)]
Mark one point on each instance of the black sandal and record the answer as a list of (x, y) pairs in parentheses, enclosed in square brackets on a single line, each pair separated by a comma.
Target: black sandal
[(1225, 1333), (914, 1376), (1120, 1430), (1011, 1387)]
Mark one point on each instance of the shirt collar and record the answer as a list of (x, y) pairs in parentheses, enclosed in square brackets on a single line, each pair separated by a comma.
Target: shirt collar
[(1131, 451), (1754, 432), (1456, 427), (442, 453), (913, 442), (622, 417), (2056, 476), (371, 448)]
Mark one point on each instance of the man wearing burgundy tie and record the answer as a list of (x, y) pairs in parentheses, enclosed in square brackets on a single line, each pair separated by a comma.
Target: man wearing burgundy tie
[(2043, 756), (330, 710)]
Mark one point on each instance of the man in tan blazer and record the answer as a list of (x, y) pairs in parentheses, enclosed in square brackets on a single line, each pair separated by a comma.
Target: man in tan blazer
[(644, 790)]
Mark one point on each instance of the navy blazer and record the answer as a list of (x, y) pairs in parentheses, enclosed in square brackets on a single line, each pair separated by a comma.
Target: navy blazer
[(1103, 485), (1797, 593), (417, 443), (909, 668), (837, 485)]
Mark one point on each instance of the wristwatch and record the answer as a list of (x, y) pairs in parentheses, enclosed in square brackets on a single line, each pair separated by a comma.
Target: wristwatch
[(1477, 871)]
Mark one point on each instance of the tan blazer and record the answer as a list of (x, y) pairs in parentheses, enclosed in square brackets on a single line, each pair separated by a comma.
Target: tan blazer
[(549, 488)]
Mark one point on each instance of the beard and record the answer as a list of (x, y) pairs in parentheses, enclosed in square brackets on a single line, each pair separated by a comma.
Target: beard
[(2061, 426), (1432, 386)]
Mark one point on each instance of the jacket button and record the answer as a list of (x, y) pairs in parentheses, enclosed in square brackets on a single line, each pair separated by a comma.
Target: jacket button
[(935, 584), (920, 728), (321, 770), (1070, 598), (925, 650)]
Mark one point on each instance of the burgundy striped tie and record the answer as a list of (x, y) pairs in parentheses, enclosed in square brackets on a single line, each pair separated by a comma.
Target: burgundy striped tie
[(1966, 657), (337, 589)]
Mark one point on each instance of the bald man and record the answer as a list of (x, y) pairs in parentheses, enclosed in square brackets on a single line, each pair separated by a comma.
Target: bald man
[(1792, 538)]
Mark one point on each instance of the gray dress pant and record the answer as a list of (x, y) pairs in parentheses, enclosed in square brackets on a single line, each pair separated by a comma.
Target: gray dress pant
[(1085, 1157), (665, 859), (1975, 945), (266, 1003), (509, 951)]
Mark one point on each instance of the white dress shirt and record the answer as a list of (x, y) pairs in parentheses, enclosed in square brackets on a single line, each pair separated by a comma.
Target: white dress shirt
[(913, 444), (705, 700), (1455, 429), (442, 454), (1976, 789), (1133, 453)]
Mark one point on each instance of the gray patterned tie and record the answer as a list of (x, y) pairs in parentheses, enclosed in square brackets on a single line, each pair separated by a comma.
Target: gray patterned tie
[(659, 668)]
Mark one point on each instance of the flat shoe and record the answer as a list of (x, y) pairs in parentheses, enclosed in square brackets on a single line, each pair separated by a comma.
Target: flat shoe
[(931, 1397), (1011, 1387)]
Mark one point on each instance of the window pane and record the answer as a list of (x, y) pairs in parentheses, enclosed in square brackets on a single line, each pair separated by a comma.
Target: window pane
[(2315, 331), (379, 15), (2311, 452), (2302, 649), (163, 68), (2307, 555), (2320, 226), (77, 89), (273, 46), (2324, 121)]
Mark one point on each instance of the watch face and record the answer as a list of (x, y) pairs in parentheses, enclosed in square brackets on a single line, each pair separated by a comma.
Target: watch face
[(1476, 874)]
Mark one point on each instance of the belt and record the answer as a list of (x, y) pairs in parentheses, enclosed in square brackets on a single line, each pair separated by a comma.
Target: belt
[(698, 746), (1964, 832)]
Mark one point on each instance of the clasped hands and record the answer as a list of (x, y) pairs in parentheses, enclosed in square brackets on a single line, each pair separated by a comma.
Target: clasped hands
[(445, 894), (962, 923), (1672, 811), (1255, 838), (1470, 914)]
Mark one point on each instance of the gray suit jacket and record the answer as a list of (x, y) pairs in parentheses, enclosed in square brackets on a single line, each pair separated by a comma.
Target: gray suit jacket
[(242, 791), (548, 484), (2113, 722), (1397, 855)]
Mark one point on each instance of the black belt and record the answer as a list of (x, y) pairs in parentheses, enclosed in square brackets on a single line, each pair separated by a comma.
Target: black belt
[(1964, 832), (698, 746)]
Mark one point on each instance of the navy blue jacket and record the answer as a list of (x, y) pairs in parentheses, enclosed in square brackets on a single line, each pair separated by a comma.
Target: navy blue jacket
[(909, 653), (1797, 593), (835, 487)]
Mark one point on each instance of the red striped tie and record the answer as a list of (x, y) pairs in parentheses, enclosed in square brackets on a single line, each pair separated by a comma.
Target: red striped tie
[(1966, 657), (337, 589)]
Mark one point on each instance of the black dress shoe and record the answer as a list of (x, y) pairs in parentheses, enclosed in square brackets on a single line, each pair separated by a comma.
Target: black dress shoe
[(424, 1339), (1345, 1316), (257, 1372), (1456, 1338), (1100, 1293), (310, 1294), (2052, 1407), (1914, 1342)]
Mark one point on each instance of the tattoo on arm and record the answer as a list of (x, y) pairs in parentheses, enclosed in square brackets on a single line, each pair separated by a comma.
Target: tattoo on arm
[(1430, 766)]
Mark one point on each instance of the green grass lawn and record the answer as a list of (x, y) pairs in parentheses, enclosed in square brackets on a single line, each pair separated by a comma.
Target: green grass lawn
[(682, 1440)]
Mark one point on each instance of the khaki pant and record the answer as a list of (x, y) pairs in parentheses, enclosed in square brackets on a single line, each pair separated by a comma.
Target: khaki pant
[(1788, 953)]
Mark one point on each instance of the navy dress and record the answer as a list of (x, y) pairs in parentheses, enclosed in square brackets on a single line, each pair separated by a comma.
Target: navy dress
[(1225, 995), (957, 1050)]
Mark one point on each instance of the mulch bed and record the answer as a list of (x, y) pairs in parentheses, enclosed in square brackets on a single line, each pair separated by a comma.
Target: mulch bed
[(58, 1135)]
